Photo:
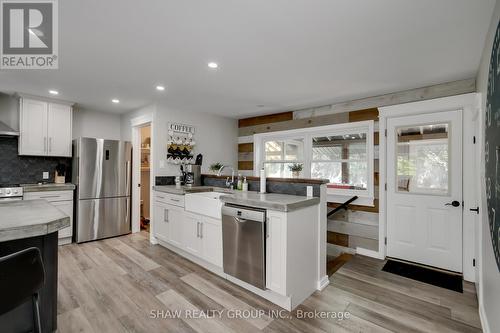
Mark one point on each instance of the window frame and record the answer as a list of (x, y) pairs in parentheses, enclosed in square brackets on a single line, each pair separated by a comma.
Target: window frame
[(366, 197)]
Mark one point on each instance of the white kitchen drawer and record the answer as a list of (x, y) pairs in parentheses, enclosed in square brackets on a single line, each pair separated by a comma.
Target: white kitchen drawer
[(170, 199), (50, 196)]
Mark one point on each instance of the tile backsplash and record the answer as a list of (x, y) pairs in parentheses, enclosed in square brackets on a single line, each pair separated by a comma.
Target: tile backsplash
[(15, 169)]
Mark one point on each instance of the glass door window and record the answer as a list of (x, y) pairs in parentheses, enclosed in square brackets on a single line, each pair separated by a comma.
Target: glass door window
[(422, 164)]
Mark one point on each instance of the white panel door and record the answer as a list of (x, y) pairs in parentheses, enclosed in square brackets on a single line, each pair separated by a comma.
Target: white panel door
[(424, 189), (33, 127), (191, 234), (59, 130), (211, 235)]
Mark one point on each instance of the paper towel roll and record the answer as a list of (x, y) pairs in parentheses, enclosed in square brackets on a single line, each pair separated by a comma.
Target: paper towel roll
[(262, 180)]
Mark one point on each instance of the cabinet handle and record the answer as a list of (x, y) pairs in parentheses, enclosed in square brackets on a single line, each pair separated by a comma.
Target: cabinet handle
[(49, 196), (201, 230), (44, 144), (198, 229), (50, 144), (165, 215), (175, 200)]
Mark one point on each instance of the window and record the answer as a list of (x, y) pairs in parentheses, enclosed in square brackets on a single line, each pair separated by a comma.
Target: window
[(279, 155), (341, 159), (342, 154)]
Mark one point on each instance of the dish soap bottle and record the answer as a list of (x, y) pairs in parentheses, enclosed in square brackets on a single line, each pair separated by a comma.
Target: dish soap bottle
[(240, 184), (245, 184)]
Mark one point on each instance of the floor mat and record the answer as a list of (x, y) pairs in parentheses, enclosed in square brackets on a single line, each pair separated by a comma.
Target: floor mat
[(426, 275)]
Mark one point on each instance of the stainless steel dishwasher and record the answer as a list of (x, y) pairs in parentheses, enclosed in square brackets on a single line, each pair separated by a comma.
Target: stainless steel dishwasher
[(244, 243)]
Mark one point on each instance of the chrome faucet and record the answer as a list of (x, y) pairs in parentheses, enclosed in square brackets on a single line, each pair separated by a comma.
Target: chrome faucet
[(229, 184)]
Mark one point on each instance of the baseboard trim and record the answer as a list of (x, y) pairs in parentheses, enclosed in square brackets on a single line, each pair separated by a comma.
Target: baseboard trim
[(483, 318), (369, 253), (323, 283)]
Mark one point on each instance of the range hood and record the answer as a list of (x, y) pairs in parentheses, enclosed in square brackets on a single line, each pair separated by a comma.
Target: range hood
[(7, 130)]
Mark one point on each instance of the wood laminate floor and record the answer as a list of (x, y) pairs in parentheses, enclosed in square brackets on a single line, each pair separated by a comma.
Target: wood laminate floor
[(113, 285)]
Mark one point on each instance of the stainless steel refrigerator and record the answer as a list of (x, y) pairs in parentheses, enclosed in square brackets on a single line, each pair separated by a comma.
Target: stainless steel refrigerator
[(102, 175)]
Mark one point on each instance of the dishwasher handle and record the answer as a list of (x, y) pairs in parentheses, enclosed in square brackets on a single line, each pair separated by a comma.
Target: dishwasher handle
[(243, 214)]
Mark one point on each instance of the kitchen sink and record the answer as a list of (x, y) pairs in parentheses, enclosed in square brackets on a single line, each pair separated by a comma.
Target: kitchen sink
[(205, 203)]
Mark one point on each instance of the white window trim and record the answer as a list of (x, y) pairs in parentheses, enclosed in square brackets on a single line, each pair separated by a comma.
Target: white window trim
[(366, 197)]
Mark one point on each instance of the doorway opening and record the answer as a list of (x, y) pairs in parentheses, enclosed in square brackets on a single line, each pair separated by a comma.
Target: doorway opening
[(145, 180)]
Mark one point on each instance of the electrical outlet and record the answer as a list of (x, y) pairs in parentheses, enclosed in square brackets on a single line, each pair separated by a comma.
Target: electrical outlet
[(45, 175)]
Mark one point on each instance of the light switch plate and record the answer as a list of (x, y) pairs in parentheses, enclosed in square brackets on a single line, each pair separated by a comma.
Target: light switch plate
[(45, 175), (162, 164)]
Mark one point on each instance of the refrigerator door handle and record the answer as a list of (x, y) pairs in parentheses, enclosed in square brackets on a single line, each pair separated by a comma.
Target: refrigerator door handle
[(127, 177), (127, 212)]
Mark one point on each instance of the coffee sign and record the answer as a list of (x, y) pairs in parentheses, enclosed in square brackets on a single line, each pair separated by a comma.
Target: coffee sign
[(181, 128)]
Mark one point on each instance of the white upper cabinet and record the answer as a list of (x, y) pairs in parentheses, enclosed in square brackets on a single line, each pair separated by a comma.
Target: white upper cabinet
[(59, 130), (46, 128), (33, 128)]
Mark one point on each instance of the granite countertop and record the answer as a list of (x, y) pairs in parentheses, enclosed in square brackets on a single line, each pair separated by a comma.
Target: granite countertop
[(30, 218), (272, 201), (48, 187)]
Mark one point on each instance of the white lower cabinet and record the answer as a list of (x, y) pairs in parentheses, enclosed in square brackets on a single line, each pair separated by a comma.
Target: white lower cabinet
[(196, 234), (211, 235), (168, 222), (63, 200), (160, 224), (203, 237), (276, 252), (67, 208), (191, 234)]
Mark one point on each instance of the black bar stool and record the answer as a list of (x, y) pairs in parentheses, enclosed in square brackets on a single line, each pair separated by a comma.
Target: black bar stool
[(21, 276)]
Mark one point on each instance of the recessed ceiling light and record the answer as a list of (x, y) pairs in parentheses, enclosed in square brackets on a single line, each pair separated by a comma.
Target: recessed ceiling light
[(213, 65), (160, 88), (116, 101), (53, 92)]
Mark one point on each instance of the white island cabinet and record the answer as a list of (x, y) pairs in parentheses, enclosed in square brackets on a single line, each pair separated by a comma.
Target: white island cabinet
[(45, 128), (190, 226), (195, 234)]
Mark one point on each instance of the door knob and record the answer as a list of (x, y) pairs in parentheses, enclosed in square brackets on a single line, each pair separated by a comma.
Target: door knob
[(454, 203)]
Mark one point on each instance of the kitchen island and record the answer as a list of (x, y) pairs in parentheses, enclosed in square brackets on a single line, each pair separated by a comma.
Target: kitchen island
[(33, 223), (190, 222)]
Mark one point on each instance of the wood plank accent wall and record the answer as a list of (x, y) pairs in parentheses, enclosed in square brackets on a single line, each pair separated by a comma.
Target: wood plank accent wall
[(268, 119), (245, 150)]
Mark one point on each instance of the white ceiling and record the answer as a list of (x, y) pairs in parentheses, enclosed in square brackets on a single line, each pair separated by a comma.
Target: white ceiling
[(284, 54)]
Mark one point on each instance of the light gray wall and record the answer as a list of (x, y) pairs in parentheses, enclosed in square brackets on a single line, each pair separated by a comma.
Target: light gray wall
[(491, 275), (95, 124), (216, 137)]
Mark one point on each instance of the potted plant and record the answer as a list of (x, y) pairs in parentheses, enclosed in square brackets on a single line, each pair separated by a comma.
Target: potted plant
[(215, 167), (295, 168)]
